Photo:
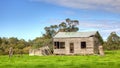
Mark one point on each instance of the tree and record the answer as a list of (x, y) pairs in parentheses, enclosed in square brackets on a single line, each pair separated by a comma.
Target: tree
[(13, 40), (17, 45), (50, 31), (62, 27), (100, 38), (72, 25), (113, 38), (0, 41), (67, 26), (39, 42), (1, 48), (113, 42)]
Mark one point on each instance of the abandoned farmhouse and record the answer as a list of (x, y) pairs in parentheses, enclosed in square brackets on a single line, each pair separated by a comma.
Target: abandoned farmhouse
[(71, 43)]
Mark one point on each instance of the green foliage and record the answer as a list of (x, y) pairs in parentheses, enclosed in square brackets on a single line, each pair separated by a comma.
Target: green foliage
[(67, 26), (113, 38), (100, 38), (72, 25), (0, 41), (21, 46), (113, 42), (18, 45), (39, 42), (110, 60), (50, 31)]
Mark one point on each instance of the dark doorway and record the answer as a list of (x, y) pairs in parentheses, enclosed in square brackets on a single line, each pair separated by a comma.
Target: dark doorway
[(71, 47)]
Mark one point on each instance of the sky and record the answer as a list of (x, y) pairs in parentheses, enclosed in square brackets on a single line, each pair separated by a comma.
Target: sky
[(26, 19)]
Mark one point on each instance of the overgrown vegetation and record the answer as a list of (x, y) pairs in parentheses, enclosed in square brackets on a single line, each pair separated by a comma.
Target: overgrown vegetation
[(22, 47), (110, 60), (67, 26), (113, 42), (19, 46)]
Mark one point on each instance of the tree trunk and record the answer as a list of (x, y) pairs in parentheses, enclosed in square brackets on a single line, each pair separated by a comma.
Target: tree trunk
[(10, 52)]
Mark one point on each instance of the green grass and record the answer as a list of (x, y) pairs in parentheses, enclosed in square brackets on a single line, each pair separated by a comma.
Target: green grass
[(110, 60)]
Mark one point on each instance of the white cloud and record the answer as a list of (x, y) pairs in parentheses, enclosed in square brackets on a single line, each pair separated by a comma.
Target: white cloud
[(100, 24), (106, 5), (103, 26), (110, 30), (69, 12)]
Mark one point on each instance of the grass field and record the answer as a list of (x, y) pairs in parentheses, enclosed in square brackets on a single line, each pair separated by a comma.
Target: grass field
[(110, 60)]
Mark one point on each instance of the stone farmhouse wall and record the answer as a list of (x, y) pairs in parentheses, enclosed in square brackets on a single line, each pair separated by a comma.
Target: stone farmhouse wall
[(92, 44)]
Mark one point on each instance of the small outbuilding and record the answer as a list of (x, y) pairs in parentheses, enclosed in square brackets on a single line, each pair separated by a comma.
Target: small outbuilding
[(42, 51), (76, 43)]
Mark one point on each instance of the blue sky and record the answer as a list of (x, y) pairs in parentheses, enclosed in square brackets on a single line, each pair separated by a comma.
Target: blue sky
[(27, 18)]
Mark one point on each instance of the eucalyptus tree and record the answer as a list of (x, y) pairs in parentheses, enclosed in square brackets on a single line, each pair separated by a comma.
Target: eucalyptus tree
[(113, 42), (67, 26), (71, 25)]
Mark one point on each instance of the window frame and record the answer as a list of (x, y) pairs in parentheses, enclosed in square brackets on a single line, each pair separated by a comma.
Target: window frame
[(59, 45), (83, 45)]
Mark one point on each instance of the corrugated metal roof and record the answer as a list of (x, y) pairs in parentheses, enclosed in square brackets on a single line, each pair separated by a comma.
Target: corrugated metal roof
[(74, 34)]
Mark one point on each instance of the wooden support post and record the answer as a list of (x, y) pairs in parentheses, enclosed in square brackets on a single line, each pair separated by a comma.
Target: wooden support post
[(10, 52), (101, 52)]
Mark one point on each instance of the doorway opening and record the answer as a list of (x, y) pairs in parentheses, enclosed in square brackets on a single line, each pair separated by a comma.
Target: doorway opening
[(71, 47)]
